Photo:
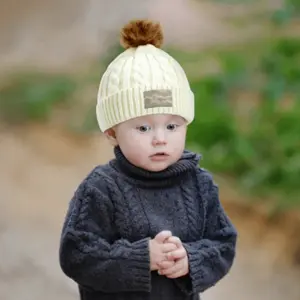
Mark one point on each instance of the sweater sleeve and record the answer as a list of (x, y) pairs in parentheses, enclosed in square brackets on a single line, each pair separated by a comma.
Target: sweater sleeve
[(88, 253), (210, 258)]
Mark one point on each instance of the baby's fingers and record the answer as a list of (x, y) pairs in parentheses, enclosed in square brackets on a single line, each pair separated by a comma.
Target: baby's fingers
[(168, 247), (175, 240), (162, 236), (177, 254), (166, 264)]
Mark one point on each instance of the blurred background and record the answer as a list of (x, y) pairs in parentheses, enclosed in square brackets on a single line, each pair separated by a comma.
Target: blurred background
[(243, 60)]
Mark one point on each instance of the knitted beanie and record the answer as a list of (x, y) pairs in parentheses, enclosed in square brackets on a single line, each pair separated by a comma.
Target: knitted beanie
[(143, 80)]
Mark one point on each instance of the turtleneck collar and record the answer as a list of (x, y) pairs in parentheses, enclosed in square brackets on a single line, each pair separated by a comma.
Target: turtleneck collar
[(174, 173)]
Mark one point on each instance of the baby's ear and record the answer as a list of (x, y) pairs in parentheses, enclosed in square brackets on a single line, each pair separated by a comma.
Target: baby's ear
[(111, 136)]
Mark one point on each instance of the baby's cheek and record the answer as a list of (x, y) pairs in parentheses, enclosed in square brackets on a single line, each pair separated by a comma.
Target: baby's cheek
[(138, 159)]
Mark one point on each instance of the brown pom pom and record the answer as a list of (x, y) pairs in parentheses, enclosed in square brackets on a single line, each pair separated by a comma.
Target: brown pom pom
[(141, 32)]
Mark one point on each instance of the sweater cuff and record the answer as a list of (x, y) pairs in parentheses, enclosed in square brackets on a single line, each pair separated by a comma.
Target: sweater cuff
[(138, 266), (195, 266)]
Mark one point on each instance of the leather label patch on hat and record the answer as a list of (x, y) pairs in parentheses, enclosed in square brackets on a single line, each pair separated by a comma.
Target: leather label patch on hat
[(158, 98)]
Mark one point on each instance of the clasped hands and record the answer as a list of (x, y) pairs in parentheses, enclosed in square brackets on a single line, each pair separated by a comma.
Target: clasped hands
[(168, 256)]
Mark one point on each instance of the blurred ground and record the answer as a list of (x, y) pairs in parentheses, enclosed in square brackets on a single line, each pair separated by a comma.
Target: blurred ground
[(41, 167)]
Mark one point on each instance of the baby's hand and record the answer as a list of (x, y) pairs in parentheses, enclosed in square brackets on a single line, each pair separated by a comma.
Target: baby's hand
[(159, 248), (177, 264)]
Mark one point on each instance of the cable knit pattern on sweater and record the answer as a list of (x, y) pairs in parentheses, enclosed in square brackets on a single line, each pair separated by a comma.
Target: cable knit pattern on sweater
[(119, 207)]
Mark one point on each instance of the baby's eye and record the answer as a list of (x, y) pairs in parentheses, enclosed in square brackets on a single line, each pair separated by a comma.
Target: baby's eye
[(143, 128), (172, 127)]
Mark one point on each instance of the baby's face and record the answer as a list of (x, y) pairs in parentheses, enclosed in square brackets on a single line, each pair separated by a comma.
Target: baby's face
[(152, 142)]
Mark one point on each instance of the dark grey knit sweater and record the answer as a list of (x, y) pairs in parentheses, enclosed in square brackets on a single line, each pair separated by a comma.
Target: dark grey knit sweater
[(118, 207)]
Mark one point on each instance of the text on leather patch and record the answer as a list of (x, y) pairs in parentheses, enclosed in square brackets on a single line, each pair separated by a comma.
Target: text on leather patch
[(158, 98)]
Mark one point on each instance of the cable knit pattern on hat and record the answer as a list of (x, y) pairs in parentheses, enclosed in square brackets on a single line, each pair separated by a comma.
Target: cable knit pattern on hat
[(123, 88), (119, 207)]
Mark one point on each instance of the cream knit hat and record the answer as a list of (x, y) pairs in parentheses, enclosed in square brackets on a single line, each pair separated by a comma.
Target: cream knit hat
[(143, 80)]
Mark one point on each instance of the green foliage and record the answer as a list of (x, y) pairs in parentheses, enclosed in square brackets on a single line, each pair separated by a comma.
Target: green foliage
[(32, 97), (281, 67), (263, 153), (289, 10), (89, 122), (275, 138)]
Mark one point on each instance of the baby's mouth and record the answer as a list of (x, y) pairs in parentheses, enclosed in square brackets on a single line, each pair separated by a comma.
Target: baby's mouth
[(160, 154)]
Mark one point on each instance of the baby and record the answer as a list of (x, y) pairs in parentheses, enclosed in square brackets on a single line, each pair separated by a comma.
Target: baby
[(149, 223)]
